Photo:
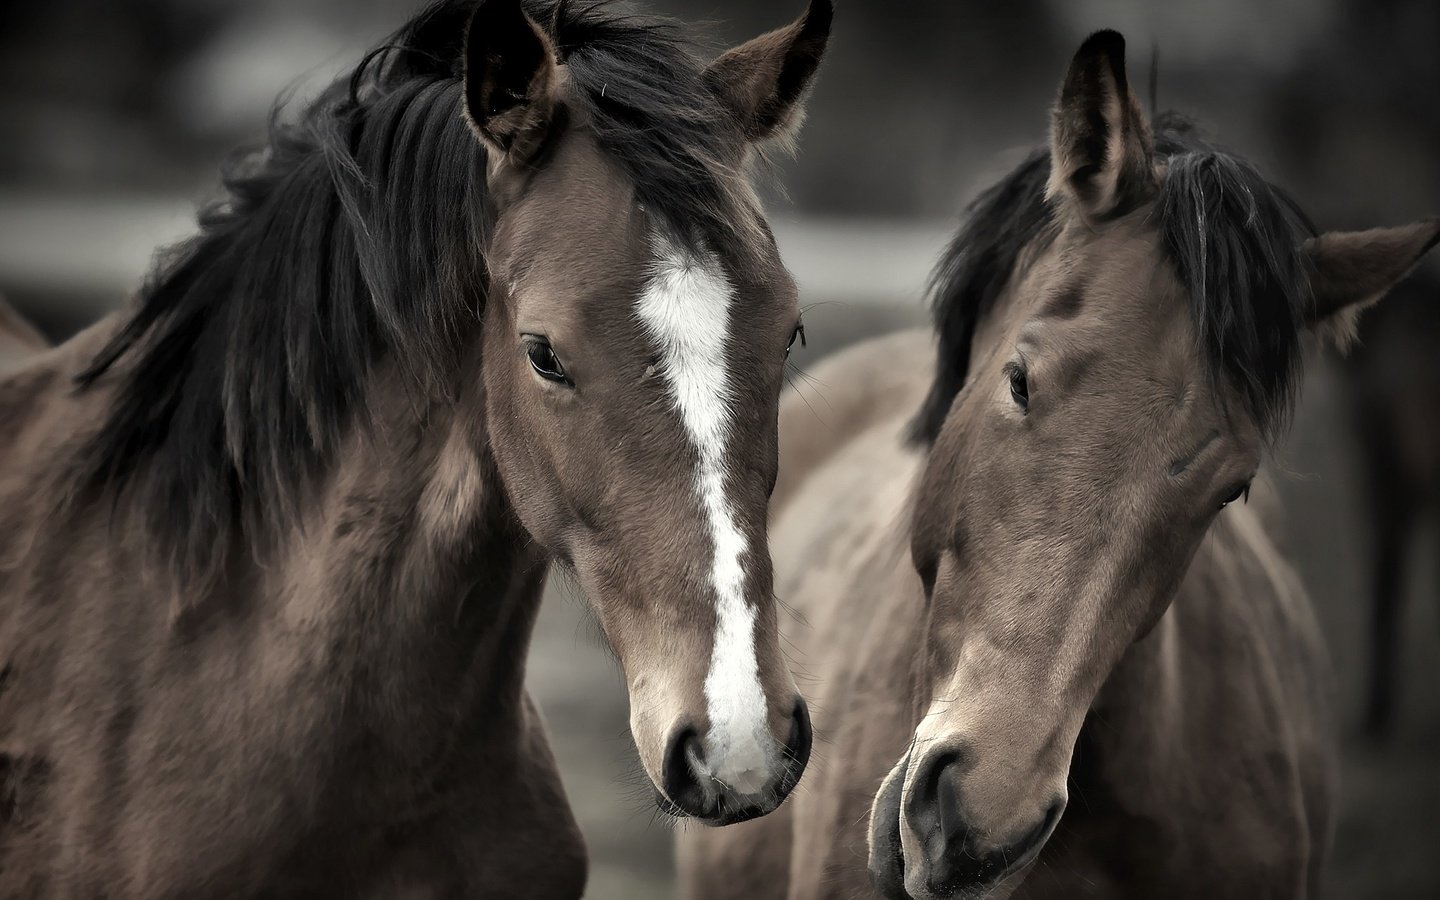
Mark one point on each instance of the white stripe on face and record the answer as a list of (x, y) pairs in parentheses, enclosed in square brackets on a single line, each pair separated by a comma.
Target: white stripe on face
[(686, 308)]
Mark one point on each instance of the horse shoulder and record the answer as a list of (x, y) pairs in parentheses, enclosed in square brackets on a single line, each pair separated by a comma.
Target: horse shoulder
[(840, 521), (846, 394)]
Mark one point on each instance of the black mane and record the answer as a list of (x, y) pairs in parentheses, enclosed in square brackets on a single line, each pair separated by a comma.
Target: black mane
[(1234, 241), (1000, 225), (353, 236)]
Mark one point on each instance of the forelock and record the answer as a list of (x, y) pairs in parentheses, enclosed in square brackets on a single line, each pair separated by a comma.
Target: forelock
[(641, 87), (1233, 239), (1235, 242)]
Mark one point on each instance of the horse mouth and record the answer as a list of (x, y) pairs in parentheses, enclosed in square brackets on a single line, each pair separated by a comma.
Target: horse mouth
[(715, 818)]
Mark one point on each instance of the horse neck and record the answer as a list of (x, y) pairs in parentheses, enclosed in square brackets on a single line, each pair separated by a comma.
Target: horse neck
[(1173, 690), (411, 548), (1143, 690)]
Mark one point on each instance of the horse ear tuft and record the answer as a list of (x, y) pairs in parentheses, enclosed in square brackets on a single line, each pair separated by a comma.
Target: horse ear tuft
[(764, 80), (1351, 270), (1100, 145), (509, 79)]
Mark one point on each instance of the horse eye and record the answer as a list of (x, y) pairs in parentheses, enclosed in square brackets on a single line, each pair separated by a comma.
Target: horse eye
[(545, 363), (1019, 387), (1240, 493), (797, 334)]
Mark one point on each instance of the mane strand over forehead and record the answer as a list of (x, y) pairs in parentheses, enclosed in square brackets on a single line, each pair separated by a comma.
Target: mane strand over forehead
[(1233, 239), (1008, 220), (354, 238), (646, 99)]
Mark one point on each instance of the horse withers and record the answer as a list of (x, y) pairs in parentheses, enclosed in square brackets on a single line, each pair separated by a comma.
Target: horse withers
[(1054, 652), (273, 538), (19, 339)]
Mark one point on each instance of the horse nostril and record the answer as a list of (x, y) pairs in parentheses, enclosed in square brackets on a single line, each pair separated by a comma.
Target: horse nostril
[(933, 807), (797, 748), (689, 786), (681, 784), (948, 808), (956, 856), (801, 736)]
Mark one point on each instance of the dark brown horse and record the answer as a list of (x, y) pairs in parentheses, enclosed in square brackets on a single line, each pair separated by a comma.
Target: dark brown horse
[(1393, 393), (1042, 597), (272, 539)]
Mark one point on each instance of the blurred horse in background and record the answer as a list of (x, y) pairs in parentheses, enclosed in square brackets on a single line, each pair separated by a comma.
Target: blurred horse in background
[(1393, 389), (1042, 597), (273, 539)]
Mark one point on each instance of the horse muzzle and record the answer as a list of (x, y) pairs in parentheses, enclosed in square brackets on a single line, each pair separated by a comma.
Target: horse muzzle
[(716, 792), (923, 846)]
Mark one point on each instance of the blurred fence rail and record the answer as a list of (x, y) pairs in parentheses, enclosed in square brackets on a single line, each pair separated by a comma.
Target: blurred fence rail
[(73, 258)]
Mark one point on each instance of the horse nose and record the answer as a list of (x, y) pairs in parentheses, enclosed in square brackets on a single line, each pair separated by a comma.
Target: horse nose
[(684, 759), (709, 790), (797, 748), (958, 857)]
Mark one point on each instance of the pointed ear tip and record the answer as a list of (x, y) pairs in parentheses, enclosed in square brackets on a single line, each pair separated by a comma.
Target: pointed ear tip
[(818, 16), (1107, 42), (1434, 223), (1102, 49)]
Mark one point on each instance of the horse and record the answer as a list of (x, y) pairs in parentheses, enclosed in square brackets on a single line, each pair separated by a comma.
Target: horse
[(19, 339), (1043, 586), (1392, 398), (273, 536)]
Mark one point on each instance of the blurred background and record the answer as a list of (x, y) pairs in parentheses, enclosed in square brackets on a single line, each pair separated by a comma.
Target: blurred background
[(116, 116)]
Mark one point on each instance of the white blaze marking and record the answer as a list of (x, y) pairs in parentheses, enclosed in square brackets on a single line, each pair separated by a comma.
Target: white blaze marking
[(686, 308)]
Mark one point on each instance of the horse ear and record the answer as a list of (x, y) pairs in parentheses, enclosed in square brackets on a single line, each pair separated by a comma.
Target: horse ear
[(1351, 270), (1100, 144), (764, 80), (509, 79)]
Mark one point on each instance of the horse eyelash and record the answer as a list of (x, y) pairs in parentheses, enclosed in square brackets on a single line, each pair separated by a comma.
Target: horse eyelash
[(1021, 368)]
